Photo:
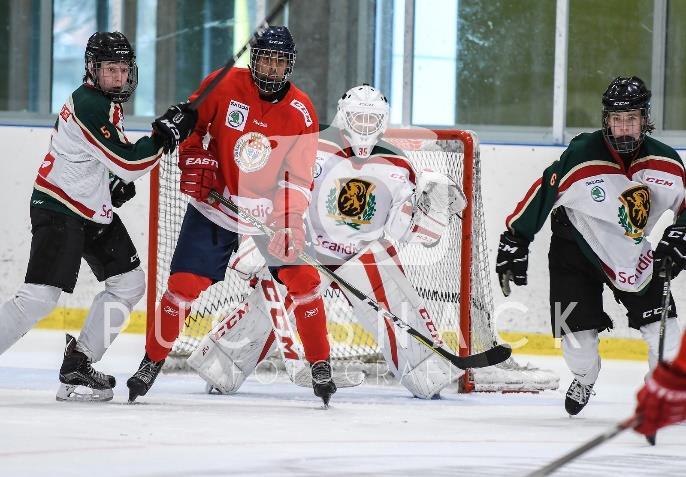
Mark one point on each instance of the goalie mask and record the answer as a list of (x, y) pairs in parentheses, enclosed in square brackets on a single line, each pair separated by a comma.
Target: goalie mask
[(626, 114), (111, 65), (362, 116), (272, 56)]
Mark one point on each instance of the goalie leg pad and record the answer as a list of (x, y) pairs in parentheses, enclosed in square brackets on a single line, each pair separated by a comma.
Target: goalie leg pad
[(229, 353), (376, 271)]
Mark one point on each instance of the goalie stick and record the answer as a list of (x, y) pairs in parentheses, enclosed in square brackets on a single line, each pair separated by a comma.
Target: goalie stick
[(634, 420), (490, 357), (195, 104)]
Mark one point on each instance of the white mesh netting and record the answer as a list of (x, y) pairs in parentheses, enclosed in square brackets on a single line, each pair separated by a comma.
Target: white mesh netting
[(435, 272)]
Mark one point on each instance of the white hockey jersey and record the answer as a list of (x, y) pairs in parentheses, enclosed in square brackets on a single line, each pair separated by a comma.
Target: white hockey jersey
[(87, 145), (356, 201), (612, 208)]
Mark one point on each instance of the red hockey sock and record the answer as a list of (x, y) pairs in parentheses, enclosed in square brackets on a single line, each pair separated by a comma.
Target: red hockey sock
[(170, 315), (165, 328), (310, 318)]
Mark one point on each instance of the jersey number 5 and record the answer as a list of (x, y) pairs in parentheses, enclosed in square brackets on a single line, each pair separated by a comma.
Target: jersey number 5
[(105, 132)]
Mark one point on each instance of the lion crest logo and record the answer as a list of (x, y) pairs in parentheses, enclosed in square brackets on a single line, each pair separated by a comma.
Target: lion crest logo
[(352, 202), (634, 211)]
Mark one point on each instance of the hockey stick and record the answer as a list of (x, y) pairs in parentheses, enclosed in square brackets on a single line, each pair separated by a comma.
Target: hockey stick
[(634, 420), (666, 273), (195, 104), (490, 357), (630, 423)]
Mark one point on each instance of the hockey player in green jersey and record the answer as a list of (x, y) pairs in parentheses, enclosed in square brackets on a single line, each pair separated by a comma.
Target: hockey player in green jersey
[(606, 193), (89, 169)]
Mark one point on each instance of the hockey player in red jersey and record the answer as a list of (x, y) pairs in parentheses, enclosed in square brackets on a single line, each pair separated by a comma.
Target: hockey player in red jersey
[(662, 400), (89, 169), (262, 146)]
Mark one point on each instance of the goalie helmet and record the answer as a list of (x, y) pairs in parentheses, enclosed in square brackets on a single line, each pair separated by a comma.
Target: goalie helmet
[(622, 95), (362, 116), (111, 46), (273, 47)]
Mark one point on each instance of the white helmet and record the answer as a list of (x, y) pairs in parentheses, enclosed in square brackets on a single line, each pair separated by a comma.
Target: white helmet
[(362, 116)]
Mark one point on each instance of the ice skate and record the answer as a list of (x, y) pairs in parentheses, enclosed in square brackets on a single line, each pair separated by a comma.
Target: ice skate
[(577, 397), (80, 382), (143, 379), (322, 382)]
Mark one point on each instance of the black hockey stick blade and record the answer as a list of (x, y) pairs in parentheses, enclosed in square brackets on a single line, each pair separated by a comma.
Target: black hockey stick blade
[(490, 357), (630, 423), (195, 104)]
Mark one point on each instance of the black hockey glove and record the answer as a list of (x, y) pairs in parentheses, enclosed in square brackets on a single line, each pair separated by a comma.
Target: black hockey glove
[(175, 125), (673, 245), (512, 261), (120, 191)]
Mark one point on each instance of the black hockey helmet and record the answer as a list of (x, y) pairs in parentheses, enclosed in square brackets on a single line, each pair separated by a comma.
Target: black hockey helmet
[(111, 46), (627, 94), (275, 43)]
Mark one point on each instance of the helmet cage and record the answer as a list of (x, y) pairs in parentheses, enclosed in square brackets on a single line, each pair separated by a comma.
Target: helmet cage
[(362, 116), (626, 144), (626, 94), (111, 47), (270, 82), (121, 95)]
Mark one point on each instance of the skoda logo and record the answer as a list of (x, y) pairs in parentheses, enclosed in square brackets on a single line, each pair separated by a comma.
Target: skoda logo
[(598, 194)]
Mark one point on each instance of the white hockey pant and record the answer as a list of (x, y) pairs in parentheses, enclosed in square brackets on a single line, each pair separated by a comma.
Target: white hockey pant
[(418, 368), (580, 349), (29, 305), (110, 311)]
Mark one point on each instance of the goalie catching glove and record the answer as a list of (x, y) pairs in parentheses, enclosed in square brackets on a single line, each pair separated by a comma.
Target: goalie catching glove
[(438, 193), (512, 261), (436, 198), (198, 172)]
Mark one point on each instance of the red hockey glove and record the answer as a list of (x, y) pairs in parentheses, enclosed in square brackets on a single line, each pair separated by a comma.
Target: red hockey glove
[(289, 240), (662, 400), (198, 172)]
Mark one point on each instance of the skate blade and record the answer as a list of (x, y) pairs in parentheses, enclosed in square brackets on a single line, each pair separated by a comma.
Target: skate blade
[(342, 379), (78, 393)]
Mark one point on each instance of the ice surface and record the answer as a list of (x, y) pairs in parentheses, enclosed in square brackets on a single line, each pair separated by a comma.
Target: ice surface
[(280, 429)]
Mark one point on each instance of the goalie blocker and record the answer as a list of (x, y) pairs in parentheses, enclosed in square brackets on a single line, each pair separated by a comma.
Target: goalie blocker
[(236, 345)]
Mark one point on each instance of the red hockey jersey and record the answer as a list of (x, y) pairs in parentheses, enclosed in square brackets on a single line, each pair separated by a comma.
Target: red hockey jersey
[(266, 151)]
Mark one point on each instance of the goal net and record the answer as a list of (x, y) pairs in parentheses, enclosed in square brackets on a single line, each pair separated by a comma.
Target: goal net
[(452, 277)]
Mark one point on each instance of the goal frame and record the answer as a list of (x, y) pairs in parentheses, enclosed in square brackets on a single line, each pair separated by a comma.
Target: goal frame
[(470, 143)]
